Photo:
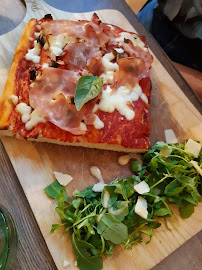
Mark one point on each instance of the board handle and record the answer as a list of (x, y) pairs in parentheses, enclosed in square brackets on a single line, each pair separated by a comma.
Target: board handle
[(38, 9)]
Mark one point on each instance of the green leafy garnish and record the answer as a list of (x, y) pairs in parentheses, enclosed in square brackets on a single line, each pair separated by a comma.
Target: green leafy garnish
[(101, 220), (88, 87)]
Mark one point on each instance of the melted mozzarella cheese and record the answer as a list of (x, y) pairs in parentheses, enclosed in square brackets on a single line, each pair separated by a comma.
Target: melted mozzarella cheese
[(106, 61), (34, 54), (35, 118), (83, 126), (98, 124), (25, 111), (108, 77), (144, 98), (14, 99), (121, 100), (57, 43), (142, 187), (119, 50), (135, 40), (141, 207), (45, 65)]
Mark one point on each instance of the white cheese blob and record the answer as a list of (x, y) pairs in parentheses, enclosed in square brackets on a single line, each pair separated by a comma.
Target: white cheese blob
[(106, 61), (34, 54), (121, 100), (170, 136), (141, 207), (57, 43), (45, 65), (108, 77), (119, 50), (95, 171), (35, 118), (193, 147), (135, 40), (25, 111), (83, 126), (144, 98), (106, 199), (196, 166), (14, 99), (63, 179), (98, 124), (99, 187), (37, 34), (142, 187), (123, 160)]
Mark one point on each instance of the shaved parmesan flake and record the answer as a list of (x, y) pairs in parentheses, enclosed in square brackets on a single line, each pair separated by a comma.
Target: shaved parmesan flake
[(193, 147), (34, 54), (65, 263), (35, 118), (63, 179), (25, 111), (170, 136), (141, 207), (196, 166), (99, 187), (14, 99), (142, 187)]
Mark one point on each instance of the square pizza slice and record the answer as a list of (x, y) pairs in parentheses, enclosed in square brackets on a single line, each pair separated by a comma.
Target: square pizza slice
[(80, 83)]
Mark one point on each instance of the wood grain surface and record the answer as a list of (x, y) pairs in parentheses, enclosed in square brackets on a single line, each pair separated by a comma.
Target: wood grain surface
[(21, 214)]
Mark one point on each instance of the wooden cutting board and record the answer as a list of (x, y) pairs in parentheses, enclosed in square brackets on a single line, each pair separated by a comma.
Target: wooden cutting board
[(34, 163)]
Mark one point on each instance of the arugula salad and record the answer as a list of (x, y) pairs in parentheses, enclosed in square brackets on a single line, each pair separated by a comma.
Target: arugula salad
[(127, 209)]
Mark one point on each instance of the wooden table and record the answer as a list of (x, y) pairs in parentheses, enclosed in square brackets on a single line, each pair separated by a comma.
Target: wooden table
[(32, 251)]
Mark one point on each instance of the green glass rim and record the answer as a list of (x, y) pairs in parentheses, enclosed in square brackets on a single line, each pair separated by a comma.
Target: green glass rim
[(11, 239)]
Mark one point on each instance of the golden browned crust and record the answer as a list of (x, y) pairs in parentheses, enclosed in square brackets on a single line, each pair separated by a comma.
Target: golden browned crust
[(6, 105), (103, 146)]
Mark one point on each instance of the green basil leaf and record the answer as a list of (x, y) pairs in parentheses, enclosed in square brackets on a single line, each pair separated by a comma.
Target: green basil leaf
[(86, 260), (88, 88), (112, 229)]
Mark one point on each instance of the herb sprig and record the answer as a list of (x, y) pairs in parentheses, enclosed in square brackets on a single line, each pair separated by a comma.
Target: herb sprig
[(99, 221)]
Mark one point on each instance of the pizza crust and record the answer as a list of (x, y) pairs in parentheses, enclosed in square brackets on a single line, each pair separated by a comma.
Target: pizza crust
[(6, 106), (102, 146)]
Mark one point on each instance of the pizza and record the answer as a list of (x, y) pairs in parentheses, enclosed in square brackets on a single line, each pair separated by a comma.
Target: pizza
[(56, 63)]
